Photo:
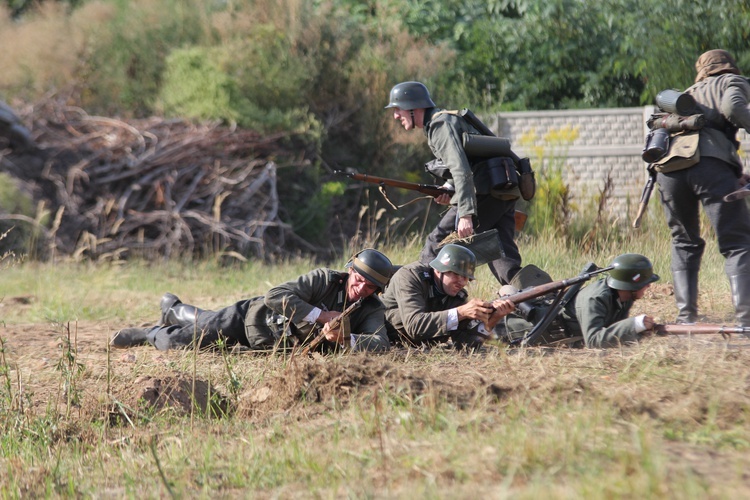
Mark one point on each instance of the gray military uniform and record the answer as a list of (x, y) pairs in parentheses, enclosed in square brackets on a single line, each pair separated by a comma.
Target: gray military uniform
[(723, 100), (472, 197), (416, 311), (596, 314), (601, 318), (261, 322)]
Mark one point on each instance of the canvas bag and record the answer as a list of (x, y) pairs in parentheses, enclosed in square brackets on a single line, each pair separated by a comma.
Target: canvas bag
[(683, 152)]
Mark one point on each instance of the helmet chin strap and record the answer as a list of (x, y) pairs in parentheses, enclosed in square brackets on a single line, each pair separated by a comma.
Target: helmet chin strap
[(411, 113), (441, 282)]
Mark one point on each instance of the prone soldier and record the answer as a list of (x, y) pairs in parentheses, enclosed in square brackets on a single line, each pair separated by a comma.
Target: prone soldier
[(288, 314), (598, 314), (428, 304)]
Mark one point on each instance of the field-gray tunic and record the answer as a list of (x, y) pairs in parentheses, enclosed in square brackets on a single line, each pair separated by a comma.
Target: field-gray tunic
[(414, 308)]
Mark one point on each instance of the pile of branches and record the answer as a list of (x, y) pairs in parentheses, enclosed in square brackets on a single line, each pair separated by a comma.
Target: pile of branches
[(153, 187)]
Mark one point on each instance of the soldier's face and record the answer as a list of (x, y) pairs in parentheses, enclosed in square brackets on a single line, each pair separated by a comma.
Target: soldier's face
[(357, 287), (627, 295), (452, 282), (409, 119), (638, 294)]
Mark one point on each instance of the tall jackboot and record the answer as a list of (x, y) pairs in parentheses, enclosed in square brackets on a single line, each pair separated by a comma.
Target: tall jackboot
[(131, 337), (686, 295), (174, 312), (740, 284)]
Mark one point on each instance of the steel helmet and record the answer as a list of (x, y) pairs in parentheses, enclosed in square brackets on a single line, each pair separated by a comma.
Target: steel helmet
[(373, 265), (457, 259), (631, 272), (410, 95)]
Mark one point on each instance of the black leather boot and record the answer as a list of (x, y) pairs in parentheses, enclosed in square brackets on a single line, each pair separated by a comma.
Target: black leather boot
[(174, 312), (130, 337), (686, 295), (740, 284)]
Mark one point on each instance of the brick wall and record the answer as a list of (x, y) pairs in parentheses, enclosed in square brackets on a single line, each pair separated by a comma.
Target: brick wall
[(608, 143)]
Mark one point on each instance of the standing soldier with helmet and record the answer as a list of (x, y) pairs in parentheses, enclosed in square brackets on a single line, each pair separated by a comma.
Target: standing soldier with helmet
[(473, 205), (287, 314), (428, 304)]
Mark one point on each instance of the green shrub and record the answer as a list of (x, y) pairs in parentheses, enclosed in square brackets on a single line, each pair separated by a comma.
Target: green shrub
[(254, 82)]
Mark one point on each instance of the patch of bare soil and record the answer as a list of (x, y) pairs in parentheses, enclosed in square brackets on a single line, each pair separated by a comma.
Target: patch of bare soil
[(335, 381)]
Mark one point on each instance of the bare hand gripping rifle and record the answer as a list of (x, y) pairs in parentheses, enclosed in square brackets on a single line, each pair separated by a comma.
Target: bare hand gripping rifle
[(335, 324), (700, 329), (429, 189)]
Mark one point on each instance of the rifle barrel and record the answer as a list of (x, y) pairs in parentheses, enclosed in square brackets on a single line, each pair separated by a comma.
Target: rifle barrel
[(429, 189), (700, 329), (554, 286)]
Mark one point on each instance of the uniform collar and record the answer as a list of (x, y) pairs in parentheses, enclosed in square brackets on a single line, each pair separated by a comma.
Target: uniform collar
[(428, 114)]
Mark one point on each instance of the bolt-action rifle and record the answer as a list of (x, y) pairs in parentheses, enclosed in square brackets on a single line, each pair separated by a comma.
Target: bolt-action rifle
[(554, 286), (561, 299), (645, 196), (429, 189), (335, 324), (700, 329)]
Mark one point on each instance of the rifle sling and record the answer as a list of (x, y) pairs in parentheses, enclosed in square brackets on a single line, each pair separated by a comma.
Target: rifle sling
[(382, 190)]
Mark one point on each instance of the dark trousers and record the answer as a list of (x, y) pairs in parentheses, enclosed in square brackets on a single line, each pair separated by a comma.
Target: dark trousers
[(210, 326), (705, 184), (492, 214)]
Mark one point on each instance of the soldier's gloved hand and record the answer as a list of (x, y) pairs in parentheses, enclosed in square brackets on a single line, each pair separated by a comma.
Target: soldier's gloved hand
[(744, 180)]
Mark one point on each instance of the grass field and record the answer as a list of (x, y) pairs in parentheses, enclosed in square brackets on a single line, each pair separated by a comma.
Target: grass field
[(666, 418)]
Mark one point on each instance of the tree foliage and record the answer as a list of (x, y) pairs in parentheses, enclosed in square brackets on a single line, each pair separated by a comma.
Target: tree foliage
[(324, 67)]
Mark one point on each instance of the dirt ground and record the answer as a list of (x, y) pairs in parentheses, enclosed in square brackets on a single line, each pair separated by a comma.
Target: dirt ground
[(43, 356)]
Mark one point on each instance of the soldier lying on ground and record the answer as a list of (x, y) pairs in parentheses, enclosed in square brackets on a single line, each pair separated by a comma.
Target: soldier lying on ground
[(286, 315), (598, 314), (428, 304)]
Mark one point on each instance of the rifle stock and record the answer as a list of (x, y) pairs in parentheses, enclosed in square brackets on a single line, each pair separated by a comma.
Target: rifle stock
[(540, 290), (699, 329), (335, 324), (429, 189)]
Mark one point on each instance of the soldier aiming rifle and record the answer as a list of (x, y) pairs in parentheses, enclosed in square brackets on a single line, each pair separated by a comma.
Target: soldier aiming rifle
[(597, 315)]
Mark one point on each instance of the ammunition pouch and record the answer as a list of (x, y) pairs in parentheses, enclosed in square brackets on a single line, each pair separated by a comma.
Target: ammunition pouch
[(501, 172), (683, 153)]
